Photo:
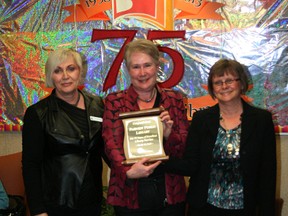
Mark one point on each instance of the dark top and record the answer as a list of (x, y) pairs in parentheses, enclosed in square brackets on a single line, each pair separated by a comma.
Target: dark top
[(257, 158), (62, 148)]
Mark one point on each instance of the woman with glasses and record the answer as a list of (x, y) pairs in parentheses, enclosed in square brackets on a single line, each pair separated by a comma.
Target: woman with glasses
[(230, 151)]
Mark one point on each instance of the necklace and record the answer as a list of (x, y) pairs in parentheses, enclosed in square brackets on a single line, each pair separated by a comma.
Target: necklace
[(78, 99), (151, 97), (230, 146)]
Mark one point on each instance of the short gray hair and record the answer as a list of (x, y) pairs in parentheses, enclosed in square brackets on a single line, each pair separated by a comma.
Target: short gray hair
[(144, 46)]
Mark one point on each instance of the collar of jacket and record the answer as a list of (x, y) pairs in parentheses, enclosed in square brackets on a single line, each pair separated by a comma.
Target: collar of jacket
[(94, 108), (248, 120)]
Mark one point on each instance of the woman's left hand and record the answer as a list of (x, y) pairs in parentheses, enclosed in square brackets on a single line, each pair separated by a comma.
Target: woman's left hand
[(142, 169), (167, 123)]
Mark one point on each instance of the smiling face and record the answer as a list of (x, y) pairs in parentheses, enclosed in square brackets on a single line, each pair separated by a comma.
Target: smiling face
[(143, 72), (66, 77), (224, 70), (227, 88)]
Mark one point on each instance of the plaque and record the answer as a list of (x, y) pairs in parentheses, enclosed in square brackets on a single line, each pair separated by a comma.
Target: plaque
[(143, 135)]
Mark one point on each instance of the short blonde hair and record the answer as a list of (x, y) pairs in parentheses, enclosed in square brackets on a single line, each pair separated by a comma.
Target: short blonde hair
[(144, 46), (57, 57)]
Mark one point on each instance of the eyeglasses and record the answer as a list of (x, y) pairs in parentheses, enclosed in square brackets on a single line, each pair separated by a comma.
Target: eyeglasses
[(226, 82)]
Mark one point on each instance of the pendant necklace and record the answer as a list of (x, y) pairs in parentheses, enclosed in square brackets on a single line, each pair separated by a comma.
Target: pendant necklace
[(151, 97), (229, 146)]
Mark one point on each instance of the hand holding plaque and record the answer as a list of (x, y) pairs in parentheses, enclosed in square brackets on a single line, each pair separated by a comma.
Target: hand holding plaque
[(143, 135)]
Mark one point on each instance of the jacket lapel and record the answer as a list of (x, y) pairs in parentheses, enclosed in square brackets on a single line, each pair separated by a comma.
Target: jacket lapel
[(212, 120), (94, 115), (248, 122)]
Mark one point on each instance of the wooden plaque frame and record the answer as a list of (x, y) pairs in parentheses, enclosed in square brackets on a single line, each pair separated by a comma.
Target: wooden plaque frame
[(143, 135)]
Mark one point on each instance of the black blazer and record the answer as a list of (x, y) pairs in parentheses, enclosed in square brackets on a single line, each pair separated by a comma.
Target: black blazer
[(257, 158)]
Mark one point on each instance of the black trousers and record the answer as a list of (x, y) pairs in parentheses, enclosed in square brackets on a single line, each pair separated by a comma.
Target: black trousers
[(209, 210), (168, 210), (88, 211), (152, 200)]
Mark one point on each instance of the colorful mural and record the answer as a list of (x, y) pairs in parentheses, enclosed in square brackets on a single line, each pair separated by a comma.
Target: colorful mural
[(254, 32)]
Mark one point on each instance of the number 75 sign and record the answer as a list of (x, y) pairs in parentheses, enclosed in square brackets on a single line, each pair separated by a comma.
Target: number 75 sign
[(129, 35)]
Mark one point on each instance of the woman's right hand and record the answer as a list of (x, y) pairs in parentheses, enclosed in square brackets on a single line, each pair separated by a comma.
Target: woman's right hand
[(141, 169)]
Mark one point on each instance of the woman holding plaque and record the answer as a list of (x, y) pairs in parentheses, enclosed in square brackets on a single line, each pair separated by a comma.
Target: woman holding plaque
[(63, 145), (230, 153), (143, 188)]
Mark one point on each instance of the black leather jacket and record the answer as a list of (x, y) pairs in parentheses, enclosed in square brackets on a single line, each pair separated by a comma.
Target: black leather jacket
[(66, 156)]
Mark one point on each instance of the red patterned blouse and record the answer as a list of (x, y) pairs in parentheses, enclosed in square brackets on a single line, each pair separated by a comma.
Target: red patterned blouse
[(122, 192)]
